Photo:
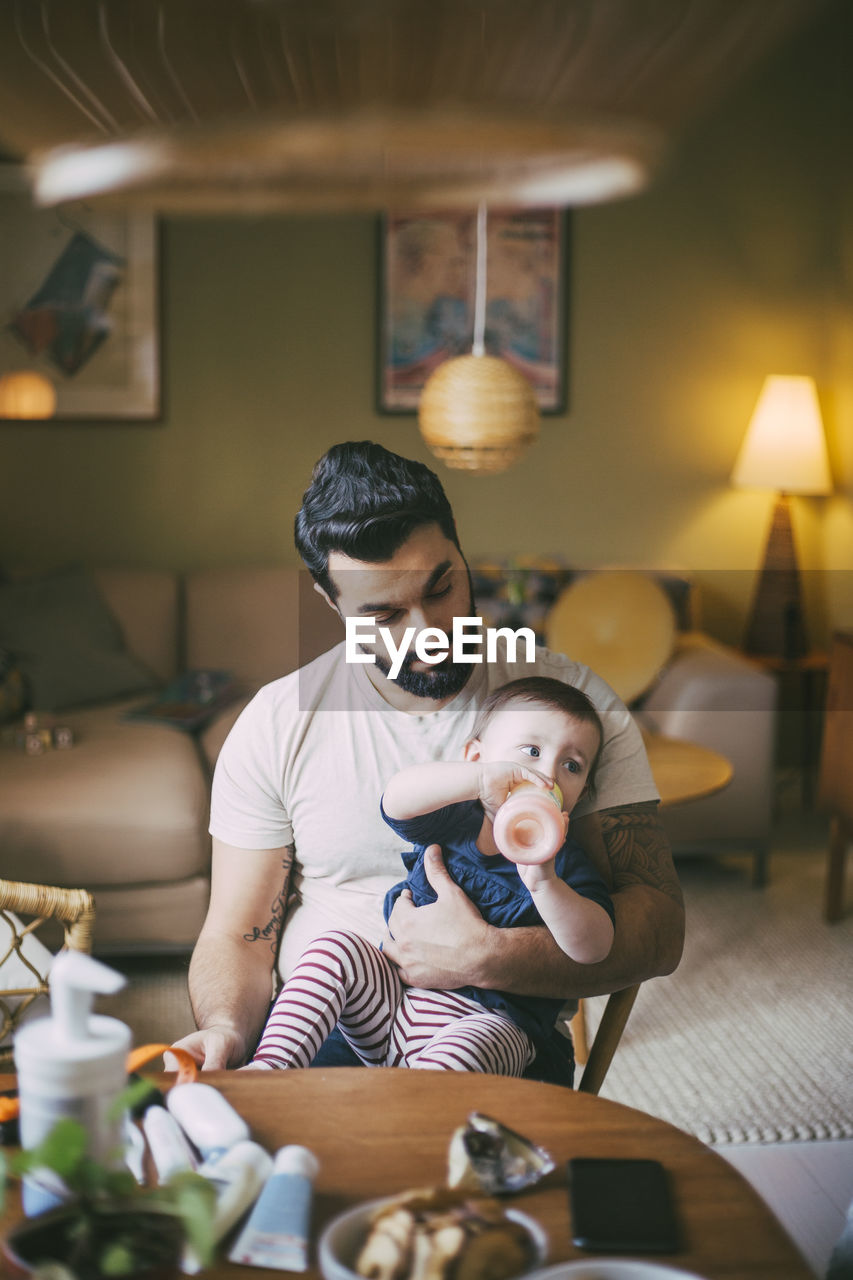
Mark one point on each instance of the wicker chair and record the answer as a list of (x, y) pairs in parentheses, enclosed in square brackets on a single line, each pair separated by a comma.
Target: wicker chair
[(74, 909)]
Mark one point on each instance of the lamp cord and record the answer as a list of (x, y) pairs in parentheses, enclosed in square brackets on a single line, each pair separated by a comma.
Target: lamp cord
[(479, 347)]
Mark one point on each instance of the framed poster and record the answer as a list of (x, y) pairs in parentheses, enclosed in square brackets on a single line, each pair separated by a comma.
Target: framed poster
[(427, 281), (79, 303)]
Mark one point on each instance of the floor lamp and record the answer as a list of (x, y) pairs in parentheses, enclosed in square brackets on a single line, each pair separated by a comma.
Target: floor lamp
[(784, 450)]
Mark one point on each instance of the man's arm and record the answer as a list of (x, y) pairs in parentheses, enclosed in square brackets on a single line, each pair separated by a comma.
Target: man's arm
[(231, 970), (448, 944)]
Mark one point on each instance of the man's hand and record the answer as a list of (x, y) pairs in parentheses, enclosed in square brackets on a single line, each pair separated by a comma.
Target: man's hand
[(213, 1049), (427, 944)]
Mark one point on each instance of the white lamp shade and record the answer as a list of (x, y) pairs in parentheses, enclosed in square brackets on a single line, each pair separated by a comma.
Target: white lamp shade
[(785, 446)]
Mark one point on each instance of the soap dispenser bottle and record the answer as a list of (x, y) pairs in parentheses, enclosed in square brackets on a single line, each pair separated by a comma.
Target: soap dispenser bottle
[(72, 1063)]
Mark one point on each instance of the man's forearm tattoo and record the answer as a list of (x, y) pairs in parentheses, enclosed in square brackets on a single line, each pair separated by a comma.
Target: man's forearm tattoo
[(638, 849), (271, 931)]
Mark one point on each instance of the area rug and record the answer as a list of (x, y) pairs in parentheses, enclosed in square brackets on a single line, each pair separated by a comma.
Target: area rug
[(750, 1041)]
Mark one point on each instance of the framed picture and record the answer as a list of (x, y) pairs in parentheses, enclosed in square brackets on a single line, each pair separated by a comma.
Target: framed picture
[(79, 303), (427, 282)]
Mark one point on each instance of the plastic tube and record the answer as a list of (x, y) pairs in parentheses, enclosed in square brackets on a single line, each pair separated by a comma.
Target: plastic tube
[(134, 1150), (209, 1122), (169, 1146), (238, 1176), (276, 1234), (530, 826)]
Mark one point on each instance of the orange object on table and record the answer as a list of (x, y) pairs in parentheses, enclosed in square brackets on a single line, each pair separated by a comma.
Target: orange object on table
[(144, 1053)]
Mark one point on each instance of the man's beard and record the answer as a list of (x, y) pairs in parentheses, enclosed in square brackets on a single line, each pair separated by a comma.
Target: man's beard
[(441, 681)]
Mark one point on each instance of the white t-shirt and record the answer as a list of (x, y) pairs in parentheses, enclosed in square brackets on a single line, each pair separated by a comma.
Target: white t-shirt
[(308, 759)]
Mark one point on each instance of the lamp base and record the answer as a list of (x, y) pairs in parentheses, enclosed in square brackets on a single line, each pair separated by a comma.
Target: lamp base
[(777, 625)]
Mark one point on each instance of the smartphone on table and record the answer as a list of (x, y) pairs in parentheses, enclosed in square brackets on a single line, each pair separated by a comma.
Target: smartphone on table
[(622, 1206)]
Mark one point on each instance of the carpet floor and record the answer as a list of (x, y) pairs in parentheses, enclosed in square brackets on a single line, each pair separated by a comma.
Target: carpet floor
[(749, 1041)]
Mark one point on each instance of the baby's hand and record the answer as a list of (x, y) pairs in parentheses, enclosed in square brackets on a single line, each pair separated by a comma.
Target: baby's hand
[(498, 777)]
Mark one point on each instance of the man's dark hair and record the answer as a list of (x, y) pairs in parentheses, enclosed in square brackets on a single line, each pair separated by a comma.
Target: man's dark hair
[(545, 692), (365, 501)]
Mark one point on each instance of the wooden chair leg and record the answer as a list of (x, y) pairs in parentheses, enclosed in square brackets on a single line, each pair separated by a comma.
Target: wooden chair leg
[(833, 903), (612, 1024), (579, 1036)]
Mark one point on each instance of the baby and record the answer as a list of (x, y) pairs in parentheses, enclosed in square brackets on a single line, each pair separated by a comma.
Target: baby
[(536, 730)]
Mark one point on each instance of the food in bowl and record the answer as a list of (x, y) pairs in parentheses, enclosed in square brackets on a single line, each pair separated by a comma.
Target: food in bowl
[(444, 1234)]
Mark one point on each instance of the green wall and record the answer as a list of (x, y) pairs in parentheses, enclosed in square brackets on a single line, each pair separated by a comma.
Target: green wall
[(736, 264)]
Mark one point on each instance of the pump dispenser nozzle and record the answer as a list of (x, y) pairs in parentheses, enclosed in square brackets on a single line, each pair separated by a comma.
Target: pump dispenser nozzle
[(75, 978)]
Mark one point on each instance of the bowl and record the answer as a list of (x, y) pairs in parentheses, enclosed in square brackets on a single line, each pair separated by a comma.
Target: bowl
[(341, 1241), (611, 1269)]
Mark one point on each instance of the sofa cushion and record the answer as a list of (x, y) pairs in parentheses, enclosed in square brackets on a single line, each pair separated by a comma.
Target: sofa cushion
[(214, 734), (66, 641), (164, 916), (620, 623), (127, 804), (146, 604), (521, 592), (258, 623)]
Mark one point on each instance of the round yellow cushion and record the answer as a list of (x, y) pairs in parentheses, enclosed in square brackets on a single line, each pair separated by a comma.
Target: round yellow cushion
[(618, 622)]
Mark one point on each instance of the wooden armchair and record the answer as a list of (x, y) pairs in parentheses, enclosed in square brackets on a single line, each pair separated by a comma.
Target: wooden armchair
[(73, 909), (836, 769)]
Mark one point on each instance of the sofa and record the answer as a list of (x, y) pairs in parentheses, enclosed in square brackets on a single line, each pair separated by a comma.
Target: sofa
[(123, 812)]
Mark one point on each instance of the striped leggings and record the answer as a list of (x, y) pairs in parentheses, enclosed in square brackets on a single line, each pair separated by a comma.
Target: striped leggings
[(341, 979)]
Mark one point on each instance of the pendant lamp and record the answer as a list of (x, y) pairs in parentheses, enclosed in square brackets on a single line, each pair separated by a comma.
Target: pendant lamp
[(478, 412)]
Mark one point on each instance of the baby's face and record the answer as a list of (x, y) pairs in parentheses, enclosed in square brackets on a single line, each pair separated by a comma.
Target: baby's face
[(543, 738)]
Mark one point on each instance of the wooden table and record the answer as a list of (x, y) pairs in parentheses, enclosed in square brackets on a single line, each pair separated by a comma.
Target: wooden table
[(380, 1131), (685, 770)]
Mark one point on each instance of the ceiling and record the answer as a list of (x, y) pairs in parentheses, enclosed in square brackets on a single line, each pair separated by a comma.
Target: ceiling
[(312, 104)]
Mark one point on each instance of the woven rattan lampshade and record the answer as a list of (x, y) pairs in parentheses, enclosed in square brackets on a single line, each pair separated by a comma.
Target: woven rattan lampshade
[(478, 413)]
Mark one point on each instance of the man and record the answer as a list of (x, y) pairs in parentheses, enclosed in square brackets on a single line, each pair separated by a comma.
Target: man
[(297, 835)]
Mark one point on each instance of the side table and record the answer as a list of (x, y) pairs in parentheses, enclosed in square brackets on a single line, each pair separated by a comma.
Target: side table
[(809, 672)]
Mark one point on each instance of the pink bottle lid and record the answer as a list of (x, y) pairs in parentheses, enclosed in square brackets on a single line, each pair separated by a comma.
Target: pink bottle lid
[(529, 826)]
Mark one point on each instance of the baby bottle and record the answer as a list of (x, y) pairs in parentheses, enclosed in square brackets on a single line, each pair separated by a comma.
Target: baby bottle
[(529, 826)]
